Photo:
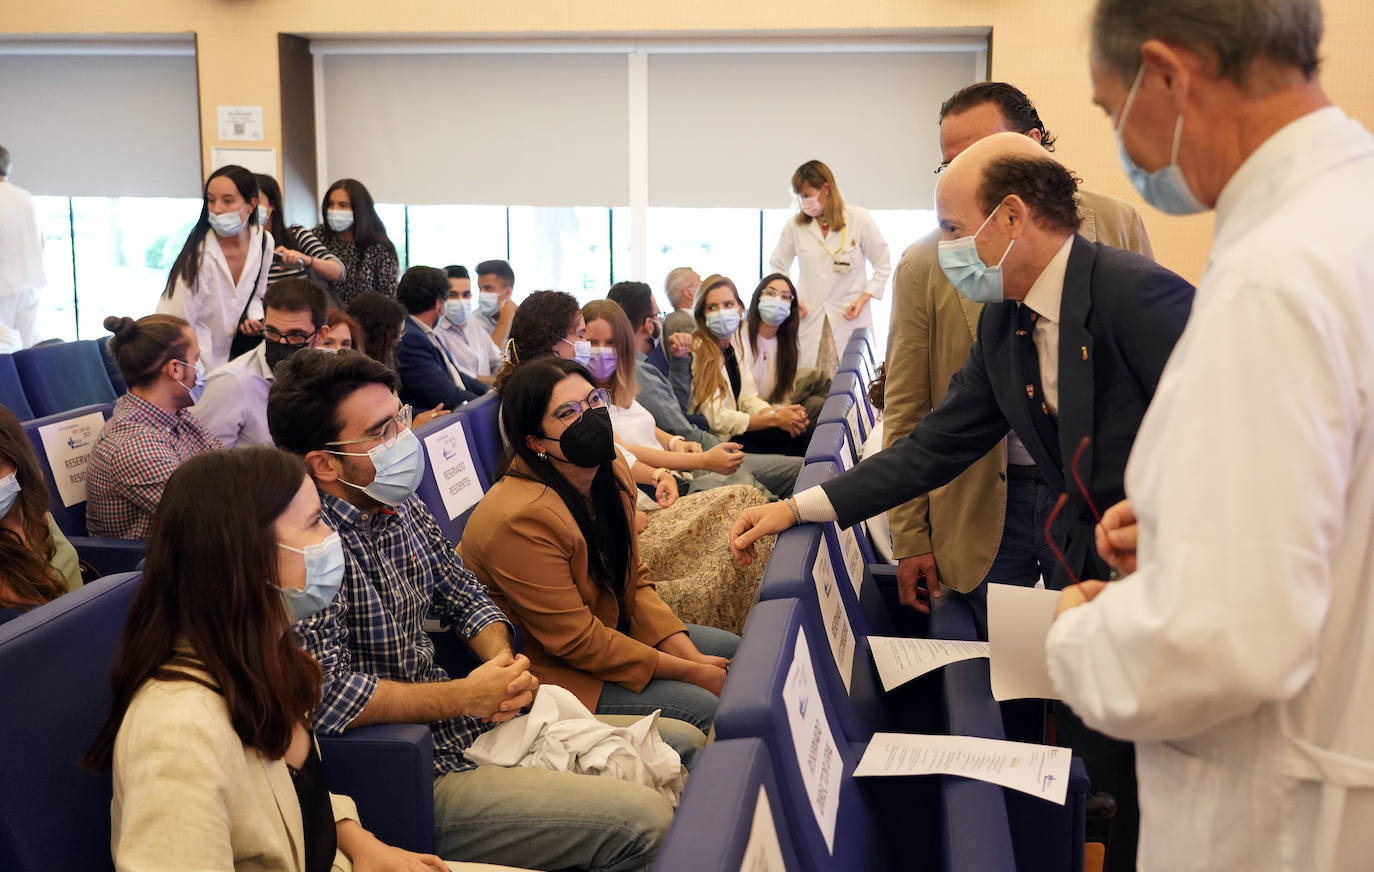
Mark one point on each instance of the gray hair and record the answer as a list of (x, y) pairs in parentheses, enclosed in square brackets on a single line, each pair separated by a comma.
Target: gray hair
[(5, 161), (675, 281), (1234, 32)]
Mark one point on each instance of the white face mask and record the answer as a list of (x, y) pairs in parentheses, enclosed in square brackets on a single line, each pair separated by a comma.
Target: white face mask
[(263, 215), (227, 223), (339, 220)]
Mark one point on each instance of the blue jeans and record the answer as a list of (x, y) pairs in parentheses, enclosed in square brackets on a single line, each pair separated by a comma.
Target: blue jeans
[(1023, 557), (677, 699)]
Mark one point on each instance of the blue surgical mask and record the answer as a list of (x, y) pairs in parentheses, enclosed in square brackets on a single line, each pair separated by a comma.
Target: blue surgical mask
[(965, 269), (324, 572), (456, 311), (399, 470), (339, 220), (9, 493), (1166, 189), (773, 311), (262, 215), (488, 303), (227, 223), (723, 322), (194, 392), (582, 351)]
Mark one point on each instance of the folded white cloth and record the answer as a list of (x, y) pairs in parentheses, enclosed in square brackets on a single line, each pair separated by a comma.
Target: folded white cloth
[(561, 735)]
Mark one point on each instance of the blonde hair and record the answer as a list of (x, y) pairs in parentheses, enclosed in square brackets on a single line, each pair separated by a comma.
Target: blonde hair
[(708, 362), (818, 175), (623, 386)]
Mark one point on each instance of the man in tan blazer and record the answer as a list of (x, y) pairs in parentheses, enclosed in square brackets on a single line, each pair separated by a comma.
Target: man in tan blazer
[(956, 535)]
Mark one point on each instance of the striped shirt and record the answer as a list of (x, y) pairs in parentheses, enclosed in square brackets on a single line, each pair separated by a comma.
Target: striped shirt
[(139, 449), (308, 244), (399, 571)]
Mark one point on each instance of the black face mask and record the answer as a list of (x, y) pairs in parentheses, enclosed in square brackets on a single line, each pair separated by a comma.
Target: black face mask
[(276, 352), (589, 442)]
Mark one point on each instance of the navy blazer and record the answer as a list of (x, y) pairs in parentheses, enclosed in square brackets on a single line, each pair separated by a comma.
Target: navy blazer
[(1119, 318), (425, 380)]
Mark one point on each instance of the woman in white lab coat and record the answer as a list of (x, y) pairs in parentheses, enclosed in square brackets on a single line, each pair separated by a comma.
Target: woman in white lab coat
[(218, 279), (833, 244)]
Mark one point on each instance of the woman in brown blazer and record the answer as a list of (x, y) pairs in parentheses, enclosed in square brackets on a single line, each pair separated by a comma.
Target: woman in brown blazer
[(554, 541)]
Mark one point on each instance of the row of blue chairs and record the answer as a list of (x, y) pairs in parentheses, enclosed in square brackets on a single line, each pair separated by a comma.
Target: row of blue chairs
[(945, 823), (49, 379)]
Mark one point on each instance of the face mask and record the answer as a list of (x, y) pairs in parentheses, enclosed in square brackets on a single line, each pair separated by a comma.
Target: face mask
[(398, 470), (965, 268), (658, 333), (339, 220), (276, 352), (812, 206), (227, 223), (602, 363), (488, 303), (582, 350), (723, 322), (324, 572), (200, 377), (589, 442), (9, 493), (456, 311), (262, 216), (773, 311), (1165, 188)]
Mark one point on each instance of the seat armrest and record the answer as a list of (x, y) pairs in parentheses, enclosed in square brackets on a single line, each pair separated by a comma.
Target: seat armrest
[(388, 770), (109, 556)]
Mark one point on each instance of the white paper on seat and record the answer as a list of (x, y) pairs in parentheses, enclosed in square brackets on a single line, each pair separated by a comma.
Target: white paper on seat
[(1040, 770), (834, 614), (855, 436), (817, 754), (454, 471), (68, 446), (853, 557), (762, 853), (1019, 619), (899, 659)]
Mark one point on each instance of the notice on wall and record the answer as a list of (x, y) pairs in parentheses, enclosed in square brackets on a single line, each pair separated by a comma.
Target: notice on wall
[(1019, 620), (901, 659), (454, 471), (817, 754), (853, 558), (257, 160), (1040, 770), (240, 123), (834, 614), (68, 446), (762, 852)]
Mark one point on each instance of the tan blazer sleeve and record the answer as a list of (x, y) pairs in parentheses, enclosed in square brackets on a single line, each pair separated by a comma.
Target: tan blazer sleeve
[(531, 557), (907, 395), (1113, 222), (653, 620)]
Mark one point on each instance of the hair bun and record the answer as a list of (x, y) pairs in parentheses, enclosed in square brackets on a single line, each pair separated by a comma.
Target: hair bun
[(122, 328)]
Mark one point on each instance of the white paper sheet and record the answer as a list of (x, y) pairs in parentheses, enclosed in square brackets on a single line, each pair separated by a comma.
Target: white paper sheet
[(899, 660), (833, 613), (1019, 619), (817, 754), (240, 123), (762, 853), (68, 446), (454, 471), (854, 434), (853, 558), (257, 160), (1040, 770)]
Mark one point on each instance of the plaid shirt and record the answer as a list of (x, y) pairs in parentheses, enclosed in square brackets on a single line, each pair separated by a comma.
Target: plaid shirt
[(139, 449), (400, 570)]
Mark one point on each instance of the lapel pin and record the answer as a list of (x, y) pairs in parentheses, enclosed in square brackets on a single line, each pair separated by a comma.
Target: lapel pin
[(1084, 349), (1030, 392)]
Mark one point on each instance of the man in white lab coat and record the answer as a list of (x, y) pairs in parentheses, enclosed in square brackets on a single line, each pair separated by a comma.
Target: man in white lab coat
[(1239, 652), (21, 260)]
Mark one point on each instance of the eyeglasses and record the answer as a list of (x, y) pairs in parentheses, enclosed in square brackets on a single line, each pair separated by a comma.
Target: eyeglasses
[(780, 295), (388, 433), (570, 411), (1063, 501), (294, 338)]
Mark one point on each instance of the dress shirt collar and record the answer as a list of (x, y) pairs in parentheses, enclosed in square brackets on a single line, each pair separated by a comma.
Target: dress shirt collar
[(258, 362), (1047, 292), (429, 331), (348, 514)]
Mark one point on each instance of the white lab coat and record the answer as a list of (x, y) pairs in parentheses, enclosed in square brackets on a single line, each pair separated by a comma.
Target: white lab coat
[(820, 287), (1240, 655), (21, 242), (213, 310)]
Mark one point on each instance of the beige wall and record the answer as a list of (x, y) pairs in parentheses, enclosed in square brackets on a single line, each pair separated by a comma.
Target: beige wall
[(1040, 45)]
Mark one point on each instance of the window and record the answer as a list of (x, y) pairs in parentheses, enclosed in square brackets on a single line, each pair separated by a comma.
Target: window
[(393, 215), (561, 249), (464, 235), (724, 241)]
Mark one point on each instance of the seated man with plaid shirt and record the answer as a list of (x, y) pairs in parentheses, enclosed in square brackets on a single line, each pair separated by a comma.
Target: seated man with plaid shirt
[(340, 412)]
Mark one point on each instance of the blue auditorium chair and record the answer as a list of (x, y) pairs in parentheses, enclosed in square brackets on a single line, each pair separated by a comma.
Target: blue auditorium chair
[(848, 383), (483, 416), (112, 366), (711, 828), (65, 376), (12, 391), (862, 339), (388, 770), (839, 409), (856, 361), (429, 489), (830, 443)]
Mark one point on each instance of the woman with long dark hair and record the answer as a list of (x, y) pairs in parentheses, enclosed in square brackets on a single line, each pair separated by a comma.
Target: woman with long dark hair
[(24, 513), (554, 541), (217, 281), (771, 348), (299, 253), (354, 232), (381, 319), (209, 733)]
